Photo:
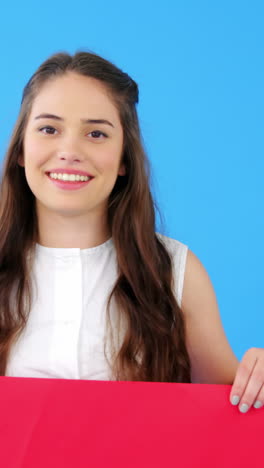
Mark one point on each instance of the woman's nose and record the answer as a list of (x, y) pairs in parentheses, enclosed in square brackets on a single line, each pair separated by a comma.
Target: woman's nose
[(69, 156), (69, 149)]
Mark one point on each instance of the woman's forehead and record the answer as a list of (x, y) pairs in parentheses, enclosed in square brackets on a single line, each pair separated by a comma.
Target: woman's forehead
[(72, 94)]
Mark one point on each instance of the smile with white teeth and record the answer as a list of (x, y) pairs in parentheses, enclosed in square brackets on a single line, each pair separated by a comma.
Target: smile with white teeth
[(69, 177)]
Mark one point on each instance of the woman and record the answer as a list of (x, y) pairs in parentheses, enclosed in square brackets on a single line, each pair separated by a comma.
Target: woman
[(79, 249)]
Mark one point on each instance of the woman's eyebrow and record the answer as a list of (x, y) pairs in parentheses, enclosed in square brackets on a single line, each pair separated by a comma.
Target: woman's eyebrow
[(56, 117)]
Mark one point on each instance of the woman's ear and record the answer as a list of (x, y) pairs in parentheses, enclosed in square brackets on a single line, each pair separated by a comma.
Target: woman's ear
[(20, 160), (122, 170)]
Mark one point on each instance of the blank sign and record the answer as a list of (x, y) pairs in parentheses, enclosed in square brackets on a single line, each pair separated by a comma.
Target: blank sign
[(78, 424)]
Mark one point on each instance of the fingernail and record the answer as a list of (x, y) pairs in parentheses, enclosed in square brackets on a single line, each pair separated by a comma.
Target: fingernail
[(258, 404), (243, 408), (235, 400)]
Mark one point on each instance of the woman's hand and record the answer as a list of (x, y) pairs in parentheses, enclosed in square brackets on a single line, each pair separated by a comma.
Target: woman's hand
[(248, 388)]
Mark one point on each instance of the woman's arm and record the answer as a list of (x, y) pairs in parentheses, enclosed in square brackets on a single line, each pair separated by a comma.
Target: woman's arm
[(212, 358)]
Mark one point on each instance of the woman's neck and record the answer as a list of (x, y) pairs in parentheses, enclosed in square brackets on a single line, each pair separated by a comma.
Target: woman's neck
[(72, 231)]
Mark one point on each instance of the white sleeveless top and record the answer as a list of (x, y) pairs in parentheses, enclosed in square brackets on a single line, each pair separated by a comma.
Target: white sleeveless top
[(64, 335)]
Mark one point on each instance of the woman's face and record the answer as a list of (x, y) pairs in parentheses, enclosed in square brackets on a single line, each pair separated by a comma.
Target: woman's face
[(69, 141)]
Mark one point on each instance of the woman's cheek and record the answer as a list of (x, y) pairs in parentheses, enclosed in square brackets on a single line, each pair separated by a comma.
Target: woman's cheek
[(107, 165), (34, 154)]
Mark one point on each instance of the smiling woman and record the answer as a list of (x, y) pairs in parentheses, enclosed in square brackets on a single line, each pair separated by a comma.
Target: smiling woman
[(89, 289), (80, 136)]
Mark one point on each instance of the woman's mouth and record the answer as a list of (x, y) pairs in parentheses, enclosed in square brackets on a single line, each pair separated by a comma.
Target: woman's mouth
[(68, 181)]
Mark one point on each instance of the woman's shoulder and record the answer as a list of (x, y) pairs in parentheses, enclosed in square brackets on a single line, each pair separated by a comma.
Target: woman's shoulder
[(175, 247), (178, 252)]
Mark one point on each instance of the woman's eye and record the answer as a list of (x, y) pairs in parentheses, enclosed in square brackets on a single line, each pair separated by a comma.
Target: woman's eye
[(50, 130), (97, 134)]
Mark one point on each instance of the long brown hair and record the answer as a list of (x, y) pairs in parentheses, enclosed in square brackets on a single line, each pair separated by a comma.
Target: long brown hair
[(153, 346)]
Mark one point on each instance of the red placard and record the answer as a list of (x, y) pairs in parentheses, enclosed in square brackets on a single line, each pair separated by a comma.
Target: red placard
[(80, 423)]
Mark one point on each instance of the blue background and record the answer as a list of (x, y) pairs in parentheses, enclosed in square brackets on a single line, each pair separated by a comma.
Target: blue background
[(200, 71)]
